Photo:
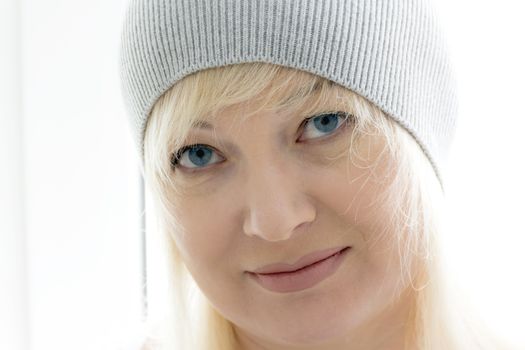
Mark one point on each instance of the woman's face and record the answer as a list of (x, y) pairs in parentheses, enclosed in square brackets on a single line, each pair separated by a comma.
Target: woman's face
[(268, 191)]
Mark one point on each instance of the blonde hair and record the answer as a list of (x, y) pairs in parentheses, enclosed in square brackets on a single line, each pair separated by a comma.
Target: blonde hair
[(438, 318)]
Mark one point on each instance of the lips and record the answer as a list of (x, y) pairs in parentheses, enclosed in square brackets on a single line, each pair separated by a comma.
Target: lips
[(306, 260)]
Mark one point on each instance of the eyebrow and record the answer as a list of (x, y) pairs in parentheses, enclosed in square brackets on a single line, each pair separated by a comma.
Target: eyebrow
[(202, 124)]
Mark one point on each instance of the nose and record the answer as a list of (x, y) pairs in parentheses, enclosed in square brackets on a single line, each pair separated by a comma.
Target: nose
[(277, 205)]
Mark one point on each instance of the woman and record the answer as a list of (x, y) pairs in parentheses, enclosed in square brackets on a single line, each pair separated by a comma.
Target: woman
[(295, 151)]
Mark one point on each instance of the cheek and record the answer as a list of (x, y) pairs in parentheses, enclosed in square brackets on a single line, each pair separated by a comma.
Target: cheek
[(353, 187), (212, 253), (353, 190), (355, 198), (209, 234)]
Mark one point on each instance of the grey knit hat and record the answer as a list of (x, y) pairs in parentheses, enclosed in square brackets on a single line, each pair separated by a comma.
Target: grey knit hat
[(391, 52)]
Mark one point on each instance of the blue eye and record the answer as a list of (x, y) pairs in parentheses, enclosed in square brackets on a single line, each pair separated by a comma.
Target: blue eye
[(326, 122), (199, 154)]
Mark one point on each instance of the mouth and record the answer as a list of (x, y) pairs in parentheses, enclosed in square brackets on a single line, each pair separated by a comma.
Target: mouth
[(303, 262), (302, 278)]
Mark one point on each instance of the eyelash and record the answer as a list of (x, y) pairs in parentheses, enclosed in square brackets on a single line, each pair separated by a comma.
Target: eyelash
[(176, 156)]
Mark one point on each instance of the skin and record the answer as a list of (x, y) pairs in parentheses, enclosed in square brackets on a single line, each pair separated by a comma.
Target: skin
[(266, 197)]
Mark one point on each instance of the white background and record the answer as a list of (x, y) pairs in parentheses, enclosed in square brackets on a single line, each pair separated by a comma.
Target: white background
[(486, 172), (70, 197), (70, 253)]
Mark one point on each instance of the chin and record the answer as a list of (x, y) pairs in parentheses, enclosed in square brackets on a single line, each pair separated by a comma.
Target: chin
[(316, 330)]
